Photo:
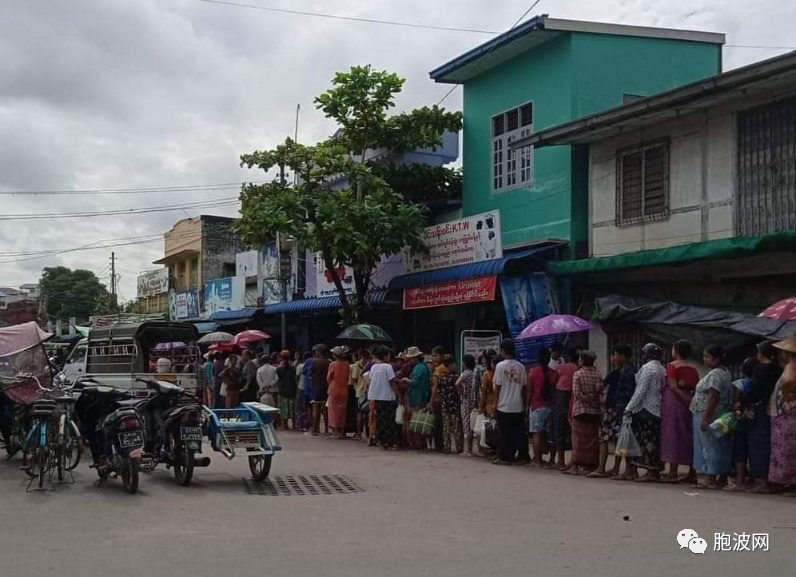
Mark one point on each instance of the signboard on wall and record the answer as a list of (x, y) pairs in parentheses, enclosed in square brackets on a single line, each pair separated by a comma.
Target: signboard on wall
[(246, 263), (183, 305), (225, 294), (464, 241), (477, 343), (153, 283), (456, 292), (387, 269), (526, 299)]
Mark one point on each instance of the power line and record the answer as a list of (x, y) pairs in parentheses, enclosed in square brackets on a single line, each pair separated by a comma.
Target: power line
[(506, 34), (348, 18), (139, 190), (214, 203)]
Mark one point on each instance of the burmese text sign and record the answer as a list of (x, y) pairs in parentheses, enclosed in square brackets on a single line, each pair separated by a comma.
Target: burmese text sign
[(451, 293), (465, 241), (154, 282)]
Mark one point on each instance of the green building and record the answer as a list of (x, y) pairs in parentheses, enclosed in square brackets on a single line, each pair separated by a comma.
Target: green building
[(543, 73)]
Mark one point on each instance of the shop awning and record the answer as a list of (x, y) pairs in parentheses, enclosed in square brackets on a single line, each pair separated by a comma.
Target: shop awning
[(475, 270), (204, 328), (237, 315), (713, 249), (321, 304)]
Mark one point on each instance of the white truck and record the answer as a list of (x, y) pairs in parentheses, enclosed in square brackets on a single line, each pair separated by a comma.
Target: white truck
[(118, 353)]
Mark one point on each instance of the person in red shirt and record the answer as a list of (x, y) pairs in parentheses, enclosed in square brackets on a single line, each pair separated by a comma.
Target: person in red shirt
[(542, 380), (562, 407)]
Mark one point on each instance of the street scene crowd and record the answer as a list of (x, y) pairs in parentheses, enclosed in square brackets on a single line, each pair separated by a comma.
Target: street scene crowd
[(733, 434)]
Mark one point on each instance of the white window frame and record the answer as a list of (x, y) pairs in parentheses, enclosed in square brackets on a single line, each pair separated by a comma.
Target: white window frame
[(511, 168)]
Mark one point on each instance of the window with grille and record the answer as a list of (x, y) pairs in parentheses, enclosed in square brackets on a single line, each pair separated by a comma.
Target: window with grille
[(642, 183), (512, 167)]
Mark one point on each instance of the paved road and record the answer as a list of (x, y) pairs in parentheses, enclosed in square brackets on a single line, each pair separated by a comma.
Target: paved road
[(419, 514)]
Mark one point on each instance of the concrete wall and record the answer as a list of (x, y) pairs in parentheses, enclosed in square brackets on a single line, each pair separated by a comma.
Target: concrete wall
[(702, 180), (219, 247)]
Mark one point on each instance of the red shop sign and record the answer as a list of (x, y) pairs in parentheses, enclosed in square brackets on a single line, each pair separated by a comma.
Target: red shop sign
[(456, 292)]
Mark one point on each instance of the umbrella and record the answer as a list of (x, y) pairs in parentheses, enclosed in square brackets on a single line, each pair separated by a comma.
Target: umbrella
[(365, 332), (221, 348), (784, 310), (555, 325), (215, 338), (169, 346), (251, 336)]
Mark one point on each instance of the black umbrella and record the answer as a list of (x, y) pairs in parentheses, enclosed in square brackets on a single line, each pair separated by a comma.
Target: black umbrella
[(365, 332)]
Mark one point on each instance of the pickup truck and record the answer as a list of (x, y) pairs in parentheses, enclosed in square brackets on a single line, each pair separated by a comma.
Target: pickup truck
[(119, 353)]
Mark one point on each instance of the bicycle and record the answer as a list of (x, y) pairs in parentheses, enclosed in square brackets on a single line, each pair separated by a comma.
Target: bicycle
[(36, 457)]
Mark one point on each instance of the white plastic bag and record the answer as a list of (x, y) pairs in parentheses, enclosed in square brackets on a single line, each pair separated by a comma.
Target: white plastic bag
[(473, 419), (478, 427), (399, 415), (626, 443)]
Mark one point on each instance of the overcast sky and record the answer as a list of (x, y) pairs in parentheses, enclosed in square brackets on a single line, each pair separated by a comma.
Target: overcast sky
[(119, 94)]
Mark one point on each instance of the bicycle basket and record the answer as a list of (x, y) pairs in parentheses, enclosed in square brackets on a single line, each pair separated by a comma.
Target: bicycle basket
[(22, 391)]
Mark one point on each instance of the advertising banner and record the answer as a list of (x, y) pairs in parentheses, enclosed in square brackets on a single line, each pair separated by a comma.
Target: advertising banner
[(457, 292), (386, 270), (526, 299), (183, 305), (246, 263), (152, 283), (272, 286), (465, 241), (225, 294), (476, 343)]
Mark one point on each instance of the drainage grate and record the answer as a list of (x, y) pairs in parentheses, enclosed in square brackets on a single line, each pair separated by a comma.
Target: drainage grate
[(302, 485)]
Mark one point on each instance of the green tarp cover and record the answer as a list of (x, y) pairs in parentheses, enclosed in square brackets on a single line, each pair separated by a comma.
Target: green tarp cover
[(715, 249)]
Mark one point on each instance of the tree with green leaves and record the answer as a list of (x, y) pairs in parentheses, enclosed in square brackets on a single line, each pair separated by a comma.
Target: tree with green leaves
[(72, 293), (350, 202)]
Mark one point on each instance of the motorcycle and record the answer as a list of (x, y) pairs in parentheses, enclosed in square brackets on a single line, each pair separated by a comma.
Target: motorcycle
[(114, 430), (173, 425)]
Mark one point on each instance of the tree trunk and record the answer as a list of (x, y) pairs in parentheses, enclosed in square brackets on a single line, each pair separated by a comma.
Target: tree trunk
[(348, 313), (362, 284)]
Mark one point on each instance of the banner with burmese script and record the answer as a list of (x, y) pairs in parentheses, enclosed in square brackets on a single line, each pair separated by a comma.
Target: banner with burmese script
[(458, 292)]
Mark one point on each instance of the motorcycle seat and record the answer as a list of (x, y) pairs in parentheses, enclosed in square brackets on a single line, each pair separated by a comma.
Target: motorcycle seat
[(66, 399), (239, 425), (165, 388), (131, 403)]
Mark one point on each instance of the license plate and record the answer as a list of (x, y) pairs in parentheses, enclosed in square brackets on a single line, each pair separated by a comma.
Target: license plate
[(191, 433), (131, 439)]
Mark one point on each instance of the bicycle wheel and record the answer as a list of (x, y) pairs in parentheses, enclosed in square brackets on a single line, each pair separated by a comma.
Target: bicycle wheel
[(73, 446), (42, 458), (29, 454)]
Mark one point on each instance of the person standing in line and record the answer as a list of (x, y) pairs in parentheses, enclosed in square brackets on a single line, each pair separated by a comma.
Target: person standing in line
[(302, 421), (712, 398), (677, 430), (556, 352), (337, 377), (562, 400), (286, 374), (644, 409), (587, 385), (511, 391), (620, 384), (268, 382), (488, 401), (232, 381), (320, 388), (439, 369), (248, 377), (208, 393), (782, 410), (541, 383), (752, 440), (467, 393), (418, 394), (382, 392), (218, 384), (451, 406)]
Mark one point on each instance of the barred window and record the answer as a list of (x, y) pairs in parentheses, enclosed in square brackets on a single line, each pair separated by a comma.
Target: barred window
[(642, 183), (512, 167)]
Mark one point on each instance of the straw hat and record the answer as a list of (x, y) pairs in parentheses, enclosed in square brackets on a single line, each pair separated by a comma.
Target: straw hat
[(339, 351), (788, 345), (413, 352)]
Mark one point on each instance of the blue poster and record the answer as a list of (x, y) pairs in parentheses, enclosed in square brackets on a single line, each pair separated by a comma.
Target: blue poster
[(526, 299)]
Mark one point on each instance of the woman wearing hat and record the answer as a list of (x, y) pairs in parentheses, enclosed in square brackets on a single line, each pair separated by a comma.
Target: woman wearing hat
[(782, 408), (418, 393), (337, 377)]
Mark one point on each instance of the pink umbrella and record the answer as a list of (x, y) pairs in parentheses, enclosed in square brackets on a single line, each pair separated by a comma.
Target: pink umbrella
[(251, 336), (784, 310), (555, 325)]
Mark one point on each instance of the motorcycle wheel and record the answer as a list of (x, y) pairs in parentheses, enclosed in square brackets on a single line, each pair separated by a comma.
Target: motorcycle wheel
[(260, 466), (129, 474), (183, 461)]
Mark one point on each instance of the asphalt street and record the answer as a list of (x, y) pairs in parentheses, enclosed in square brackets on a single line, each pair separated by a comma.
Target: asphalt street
[(417, 514)]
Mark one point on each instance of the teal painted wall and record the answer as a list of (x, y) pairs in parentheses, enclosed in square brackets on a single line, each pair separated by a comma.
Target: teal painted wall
[(567, 77)]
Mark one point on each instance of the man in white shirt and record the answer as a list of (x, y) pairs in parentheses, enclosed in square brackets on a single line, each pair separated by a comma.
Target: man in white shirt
[(382, 392), (511, 391), (267, 382)]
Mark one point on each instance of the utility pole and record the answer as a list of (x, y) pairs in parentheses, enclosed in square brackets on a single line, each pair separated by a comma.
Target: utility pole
[(113, 281)]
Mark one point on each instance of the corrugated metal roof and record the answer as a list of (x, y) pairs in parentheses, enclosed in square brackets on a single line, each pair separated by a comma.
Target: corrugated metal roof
[(378, 297), (233, 315), (466, 271)]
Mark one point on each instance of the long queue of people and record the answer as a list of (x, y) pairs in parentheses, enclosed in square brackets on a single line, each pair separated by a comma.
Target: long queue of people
[(661, 419)]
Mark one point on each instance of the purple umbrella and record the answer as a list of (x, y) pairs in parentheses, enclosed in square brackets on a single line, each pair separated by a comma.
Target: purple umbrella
[(555, 325), (169, 346)]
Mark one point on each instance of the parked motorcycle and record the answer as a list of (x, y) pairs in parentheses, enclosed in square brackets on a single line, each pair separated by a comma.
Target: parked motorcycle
[(173, 423), (114, 431)]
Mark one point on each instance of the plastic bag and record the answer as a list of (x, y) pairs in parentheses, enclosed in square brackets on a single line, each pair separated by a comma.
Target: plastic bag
[(626, 443), (724, 425), (489, 437), (474, 414), (478, 427), (399, 415)]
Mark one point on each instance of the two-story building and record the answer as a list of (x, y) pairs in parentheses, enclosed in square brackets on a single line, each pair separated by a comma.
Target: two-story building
[(539, 74), (691, 209)]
